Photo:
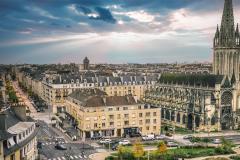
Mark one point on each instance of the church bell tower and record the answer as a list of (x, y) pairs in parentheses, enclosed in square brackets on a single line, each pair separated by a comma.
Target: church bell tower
[(226, 45)]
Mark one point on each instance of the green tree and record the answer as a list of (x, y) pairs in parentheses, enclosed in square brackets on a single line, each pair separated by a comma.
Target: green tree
[(121, 151), (162, 147), (138, 150)]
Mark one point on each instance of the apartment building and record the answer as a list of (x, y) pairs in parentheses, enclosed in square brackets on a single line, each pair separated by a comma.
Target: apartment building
[(56, 90), (97, 113), (17, 135)]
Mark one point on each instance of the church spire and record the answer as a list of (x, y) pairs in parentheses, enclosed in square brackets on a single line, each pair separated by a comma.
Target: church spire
[(227, 30), (228, 17)]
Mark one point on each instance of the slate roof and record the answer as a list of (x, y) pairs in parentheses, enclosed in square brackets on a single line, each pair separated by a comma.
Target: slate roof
[(97, 98), (81, 78), (191, 79)]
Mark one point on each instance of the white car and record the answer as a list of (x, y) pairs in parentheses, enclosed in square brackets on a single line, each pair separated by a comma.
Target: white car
[(105, 141), (124, 142), (160, 137), (148, 137), (217, 141), (172, 144), (188, 137)]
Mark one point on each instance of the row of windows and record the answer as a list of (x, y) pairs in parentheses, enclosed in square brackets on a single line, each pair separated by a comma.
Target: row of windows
[(26, 133)]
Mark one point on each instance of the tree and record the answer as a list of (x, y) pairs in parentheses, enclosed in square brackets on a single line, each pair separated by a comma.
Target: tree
[(162, 147), (121, 151), (138, 150)]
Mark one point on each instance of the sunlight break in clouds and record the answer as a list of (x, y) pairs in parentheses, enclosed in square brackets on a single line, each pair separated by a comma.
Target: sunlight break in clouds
[(140, 16)]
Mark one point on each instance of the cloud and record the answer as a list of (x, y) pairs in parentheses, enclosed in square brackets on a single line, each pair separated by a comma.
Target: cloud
[(42, 12), (140, 16), (103, 14)]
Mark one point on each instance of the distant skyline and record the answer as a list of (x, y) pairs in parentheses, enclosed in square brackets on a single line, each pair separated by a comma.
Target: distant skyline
[(109, 31)]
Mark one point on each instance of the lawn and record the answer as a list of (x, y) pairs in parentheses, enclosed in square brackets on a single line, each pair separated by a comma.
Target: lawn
[(171, 154)]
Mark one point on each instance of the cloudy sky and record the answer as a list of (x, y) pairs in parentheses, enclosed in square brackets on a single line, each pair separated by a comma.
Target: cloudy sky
[(109, 31)]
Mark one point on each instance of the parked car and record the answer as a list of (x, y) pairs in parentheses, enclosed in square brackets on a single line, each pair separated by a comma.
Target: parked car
[(132, 135), (124, 142), (168, 134), (39, 145), (96, 137), (172, 144), (188, 137), (160, 137), (115, 146), (148, 137), (60, 147), (105, 141), (217, 141)]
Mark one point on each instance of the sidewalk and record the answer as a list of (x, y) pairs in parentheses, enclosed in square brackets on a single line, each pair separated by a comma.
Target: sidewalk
[(99, 156), (203, 158)]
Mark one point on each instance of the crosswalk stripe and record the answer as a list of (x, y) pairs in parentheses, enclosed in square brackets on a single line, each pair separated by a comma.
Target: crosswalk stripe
[(75, 156), (63, 158), (59, 158), (80, 156), (85, 156), (71, 157)]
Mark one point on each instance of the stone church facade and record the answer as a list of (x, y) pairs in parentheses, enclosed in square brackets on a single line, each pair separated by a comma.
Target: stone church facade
[(205, 102)]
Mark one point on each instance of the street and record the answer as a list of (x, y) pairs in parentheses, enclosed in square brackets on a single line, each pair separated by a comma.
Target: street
[(49, 136)]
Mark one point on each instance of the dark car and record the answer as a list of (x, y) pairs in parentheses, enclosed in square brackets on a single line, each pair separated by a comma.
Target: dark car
[(60, 147), (96, 137), (115, 146), (39, 145)]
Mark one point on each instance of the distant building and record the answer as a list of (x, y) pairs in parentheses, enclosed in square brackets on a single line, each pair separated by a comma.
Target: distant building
[(95, 113), (17, 135), (86, 63)]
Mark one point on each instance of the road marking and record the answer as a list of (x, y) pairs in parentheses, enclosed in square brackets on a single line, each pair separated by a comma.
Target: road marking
[(75, 156), (84, 156), (59, 158), (71, 157), (80, 156), (63, 158)]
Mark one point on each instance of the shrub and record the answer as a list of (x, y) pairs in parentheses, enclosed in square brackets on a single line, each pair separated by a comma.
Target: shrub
[(235, 157)]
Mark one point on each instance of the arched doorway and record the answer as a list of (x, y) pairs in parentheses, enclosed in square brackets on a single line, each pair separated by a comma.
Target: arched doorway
[(167, 115), (213, 120), (190, 122), (184, 119), (178, 118), (197, 121), (173, 116)]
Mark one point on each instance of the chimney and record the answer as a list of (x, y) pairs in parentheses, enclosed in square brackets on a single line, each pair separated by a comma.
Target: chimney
[(20, 112), (3, 124)]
